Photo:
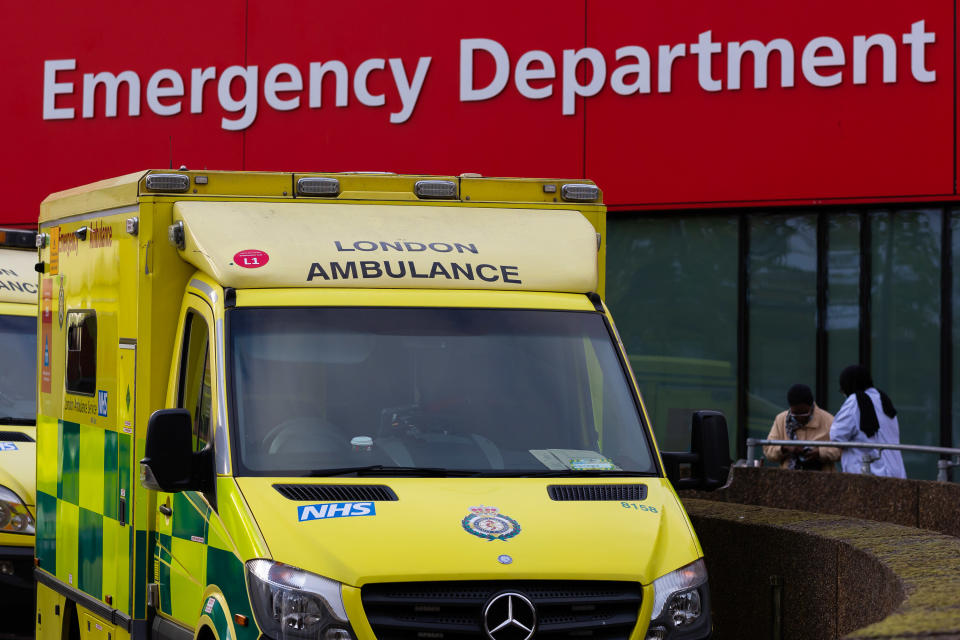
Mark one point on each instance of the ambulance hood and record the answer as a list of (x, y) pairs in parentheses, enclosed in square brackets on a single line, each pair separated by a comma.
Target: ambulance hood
[(18, 462), (459, 528), (263, 244), (18, 277)]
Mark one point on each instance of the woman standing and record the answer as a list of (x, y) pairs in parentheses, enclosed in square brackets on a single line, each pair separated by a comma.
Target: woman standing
[(868, 416)]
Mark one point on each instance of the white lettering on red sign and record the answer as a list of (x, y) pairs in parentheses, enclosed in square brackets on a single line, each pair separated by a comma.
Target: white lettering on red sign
[(251, 258), (823, 60)]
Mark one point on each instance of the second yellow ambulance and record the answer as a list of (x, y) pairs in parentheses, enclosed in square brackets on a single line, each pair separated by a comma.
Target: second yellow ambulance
[(18, 398)]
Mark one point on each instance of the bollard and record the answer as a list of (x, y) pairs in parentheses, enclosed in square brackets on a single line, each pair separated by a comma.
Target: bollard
[(776, 593), (865, 460), (942, 466)]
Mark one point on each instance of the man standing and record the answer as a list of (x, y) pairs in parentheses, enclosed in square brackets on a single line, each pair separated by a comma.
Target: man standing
[(803, 421), (868, 416)]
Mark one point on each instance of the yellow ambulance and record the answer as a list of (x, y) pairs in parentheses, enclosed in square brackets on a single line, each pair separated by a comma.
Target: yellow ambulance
[(316, 406), (18, 409)]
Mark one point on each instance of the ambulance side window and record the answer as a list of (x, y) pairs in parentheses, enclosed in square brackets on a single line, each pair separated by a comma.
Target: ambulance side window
[(194, 387), (81, 352), (606, 408)]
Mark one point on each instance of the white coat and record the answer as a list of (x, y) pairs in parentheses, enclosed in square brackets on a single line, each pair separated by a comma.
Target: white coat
[(846, 428)]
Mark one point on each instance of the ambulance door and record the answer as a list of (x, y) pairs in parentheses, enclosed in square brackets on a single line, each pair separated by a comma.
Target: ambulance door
[(182, 564), (118, 498)]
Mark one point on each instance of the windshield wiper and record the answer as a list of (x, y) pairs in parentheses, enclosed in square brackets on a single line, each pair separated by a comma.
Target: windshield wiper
[(561, 473), (440, 472), (23, 422), (385, 470)]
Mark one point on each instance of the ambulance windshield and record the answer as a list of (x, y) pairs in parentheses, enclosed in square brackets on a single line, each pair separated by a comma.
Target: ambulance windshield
[(322, 391), (18, 375)]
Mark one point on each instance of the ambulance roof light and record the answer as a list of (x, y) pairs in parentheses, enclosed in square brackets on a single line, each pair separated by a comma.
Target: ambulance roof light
[(435, 189), (579, 192), (175, 182), (325, 187)]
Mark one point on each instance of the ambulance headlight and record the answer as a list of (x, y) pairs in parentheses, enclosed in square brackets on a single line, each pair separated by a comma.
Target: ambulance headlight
[(681, 602), (14, 516), (291, 604)]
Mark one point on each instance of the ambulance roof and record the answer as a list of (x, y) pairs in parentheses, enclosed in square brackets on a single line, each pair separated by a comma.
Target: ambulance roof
[(379, 230), (18, 278), (128, 190), (335, 244)]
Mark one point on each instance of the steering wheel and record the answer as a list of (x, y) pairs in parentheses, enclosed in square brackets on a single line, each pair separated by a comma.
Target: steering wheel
[(6, 399), (304, 434), (414, 420)]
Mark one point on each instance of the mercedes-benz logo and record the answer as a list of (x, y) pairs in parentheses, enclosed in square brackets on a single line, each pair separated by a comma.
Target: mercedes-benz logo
[(509, 616)]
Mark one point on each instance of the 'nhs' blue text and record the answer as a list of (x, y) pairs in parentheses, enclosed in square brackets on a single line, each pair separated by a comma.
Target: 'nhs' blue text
[(335, 510)]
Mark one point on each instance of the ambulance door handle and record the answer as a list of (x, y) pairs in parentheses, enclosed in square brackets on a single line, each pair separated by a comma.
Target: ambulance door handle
[(165, 510)]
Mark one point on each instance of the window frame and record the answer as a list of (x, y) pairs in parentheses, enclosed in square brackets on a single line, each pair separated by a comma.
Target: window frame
[(191, 310), (85, 314), (240, 470)]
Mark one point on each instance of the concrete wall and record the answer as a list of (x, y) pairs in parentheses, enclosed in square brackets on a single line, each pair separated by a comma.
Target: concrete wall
[(790, 573), (913, 503)]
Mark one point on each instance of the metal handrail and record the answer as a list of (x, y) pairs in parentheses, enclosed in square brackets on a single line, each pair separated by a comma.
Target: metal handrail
[(866, 459)]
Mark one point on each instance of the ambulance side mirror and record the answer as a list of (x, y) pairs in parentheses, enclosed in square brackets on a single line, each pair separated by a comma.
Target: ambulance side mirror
[(707, 464), (168, 462), (708, 438)]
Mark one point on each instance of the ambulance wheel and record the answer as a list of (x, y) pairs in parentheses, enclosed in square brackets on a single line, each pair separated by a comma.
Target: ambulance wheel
[(71, 622), (205, 634)]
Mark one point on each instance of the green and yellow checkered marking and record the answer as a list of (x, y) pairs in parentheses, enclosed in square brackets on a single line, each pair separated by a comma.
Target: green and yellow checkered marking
[(80, 538), (82, 541), (197, 555)]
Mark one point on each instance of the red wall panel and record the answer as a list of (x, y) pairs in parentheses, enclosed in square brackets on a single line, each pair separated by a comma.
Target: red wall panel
[(795, 143), (505, 135), (43, 156), (802, 142)]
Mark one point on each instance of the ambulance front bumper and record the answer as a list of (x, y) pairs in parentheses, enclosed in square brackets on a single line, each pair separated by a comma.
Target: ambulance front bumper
[(16, 569), (17, 591)]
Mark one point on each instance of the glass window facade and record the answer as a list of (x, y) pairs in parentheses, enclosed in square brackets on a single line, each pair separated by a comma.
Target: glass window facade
[(905, 323), (727, 309), (843, 303), (954, 321), (782, 313), (672, 287)]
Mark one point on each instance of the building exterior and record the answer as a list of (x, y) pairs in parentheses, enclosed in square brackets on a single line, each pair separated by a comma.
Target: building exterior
[(782, 179)]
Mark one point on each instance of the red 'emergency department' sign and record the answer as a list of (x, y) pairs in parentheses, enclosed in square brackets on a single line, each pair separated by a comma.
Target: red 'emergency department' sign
[(661, 104)]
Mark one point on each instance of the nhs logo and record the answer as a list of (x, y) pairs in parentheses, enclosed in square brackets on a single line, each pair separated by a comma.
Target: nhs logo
[(335, 510), (102, 404), (7, 446)]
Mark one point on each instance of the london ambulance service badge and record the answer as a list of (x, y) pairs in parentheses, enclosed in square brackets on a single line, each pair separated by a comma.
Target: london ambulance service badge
[(488, 523)]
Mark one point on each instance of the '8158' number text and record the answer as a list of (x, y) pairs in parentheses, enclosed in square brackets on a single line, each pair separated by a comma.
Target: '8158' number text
[(638, 507)]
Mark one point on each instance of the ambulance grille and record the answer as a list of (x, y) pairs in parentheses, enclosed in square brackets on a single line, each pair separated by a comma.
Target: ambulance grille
[(337, 492), (14, 436), (454, 610), (597, 491)]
